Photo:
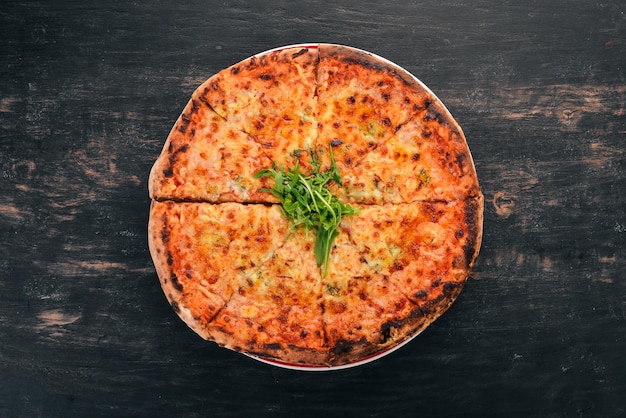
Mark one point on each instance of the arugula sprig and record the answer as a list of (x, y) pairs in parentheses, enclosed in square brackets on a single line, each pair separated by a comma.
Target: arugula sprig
[(308, 203)]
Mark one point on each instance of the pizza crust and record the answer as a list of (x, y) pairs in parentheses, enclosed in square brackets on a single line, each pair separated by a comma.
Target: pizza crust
[(228, 261)]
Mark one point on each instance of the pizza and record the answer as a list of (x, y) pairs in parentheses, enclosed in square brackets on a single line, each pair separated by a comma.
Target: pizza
[(313, 205)]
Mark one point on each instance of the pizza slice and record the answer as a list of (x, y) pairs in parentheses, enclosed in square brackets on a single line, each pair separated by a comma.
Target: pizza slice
[(271, 96), (426, 249), (276, 311), (434, 161), (201, 252), (363, 312), (362, 101), (366, 90), (439, 247), (207, 158), (426, 159)]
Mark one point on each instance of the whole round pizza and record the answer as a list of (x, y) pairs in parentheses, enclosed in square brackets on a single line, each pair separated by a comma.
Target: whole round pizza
[(313, 205)]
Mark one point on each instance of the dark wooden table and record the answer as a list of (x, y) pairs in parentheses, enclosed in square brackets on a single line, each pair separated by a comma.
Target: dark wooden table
[(88, 93)]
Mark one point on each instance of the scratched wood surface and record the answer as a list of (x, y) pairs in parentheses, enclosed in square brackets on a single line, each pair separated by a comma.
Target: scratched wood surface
[(88, 93)]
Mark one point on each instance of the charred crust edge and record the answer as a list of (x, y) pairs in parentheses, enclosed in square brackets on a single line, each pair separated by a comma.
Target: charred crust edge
[(364, 59), (474, 222), (176, 283)]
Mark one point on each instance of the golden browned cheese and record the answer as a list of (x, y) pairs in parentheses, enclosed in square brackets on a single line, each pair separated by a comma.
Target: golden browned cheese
[(271, 97), (207, 159), (234, 268)]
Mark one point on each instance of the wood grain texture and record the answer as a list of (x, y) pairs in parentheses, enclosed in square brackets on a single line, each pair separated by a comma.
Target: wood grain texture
[(88, 93)]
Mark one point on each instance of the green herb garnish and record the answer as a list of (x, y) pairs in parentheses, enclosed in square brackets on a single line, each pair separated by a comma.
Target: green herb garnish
[(308, 203)]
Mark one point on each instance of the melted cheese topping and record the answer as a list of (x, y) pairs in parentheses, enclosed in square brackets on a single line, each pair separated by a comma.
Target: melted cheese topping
[(278, 303), (272, 98)]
